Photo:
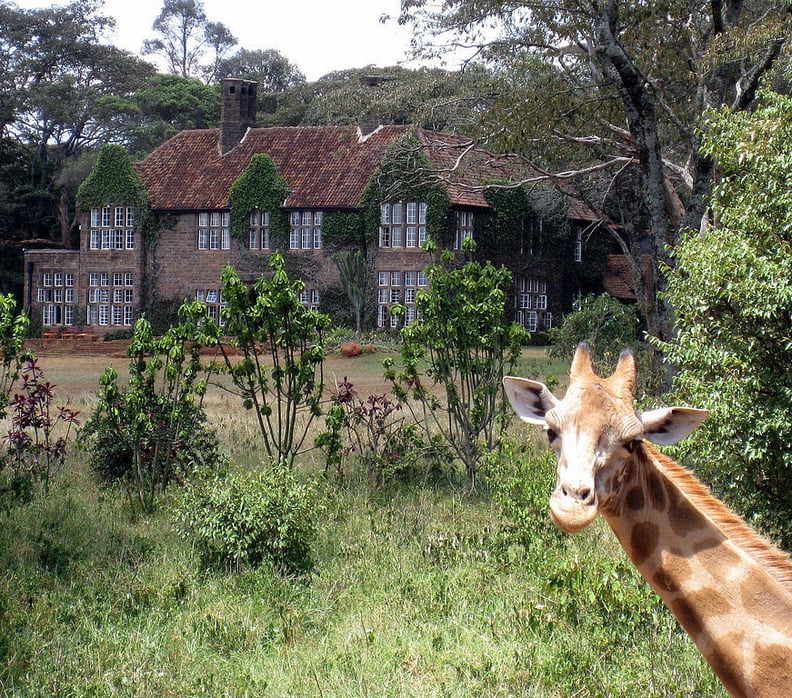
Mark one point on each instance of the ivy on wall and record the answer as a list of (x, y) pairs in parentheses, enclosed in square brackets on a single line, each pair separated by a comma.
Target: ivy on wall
[(261, 187), (405, 174), (343, 228), (113, 180)]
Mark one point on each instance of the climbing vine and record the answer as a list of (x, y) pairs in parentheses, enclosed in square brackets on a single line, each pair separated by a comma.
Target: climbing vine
[(261, 187), (405, 174), (343, 228), (113, 180)]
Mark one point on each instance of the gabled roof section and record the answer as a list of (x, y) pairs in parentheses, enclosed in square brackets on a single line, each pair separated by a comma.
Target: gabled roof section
[(324, 166)]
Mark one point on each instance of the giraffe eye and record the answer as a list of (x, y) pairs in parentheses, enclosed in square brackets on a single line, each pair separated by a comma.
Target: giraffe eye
[(551, 435), (632, 445)]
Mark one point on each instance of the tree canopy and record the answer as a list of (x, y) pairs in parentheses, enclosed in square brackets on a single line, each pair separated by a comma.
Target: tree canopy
[(733, 300), (609, 96)]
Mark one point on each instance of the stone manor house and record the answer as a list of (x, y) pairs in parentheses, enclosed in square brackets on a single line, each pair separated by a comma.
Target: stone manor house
[(329, 172)]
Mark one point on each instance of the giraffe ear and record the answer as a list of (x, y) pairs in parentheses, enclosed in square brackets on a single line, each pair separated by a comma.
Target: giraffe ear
[(669, 425), (531, 400)]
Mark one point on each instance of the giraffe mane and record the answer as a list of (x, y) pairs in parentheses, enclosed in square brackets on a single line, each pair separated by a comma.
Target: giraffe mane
[(775, 562)]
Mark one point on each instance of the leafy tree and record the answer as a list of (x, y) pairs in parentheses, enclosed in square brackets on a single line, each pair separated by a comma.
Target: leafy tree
[(13, 328), (63, 92), (733, 300), (609, 96), (428, 97), (454, 359), (168, 104), (185, 36), (286, 390), (270, 68)]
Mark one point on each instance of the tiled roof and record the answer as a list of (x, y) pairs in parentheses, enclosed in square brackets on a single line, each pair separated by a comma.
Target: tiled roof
[(324, 166), (618, 278)]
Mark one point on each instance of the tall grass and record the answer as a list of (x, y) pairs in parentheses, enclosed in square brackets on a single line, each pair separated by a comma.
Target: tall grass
[(418, 591)]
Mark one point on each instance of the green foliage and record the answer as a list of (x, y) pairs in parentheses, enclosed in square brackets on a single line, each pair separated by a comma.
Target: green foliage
[(13, 329), (500, 232), (285, 391), (352, 271), (154, 431), (374, 430), (733, 300), (405, 174), (260, 187), (343, 228), (113, 180), (39, 434), (245, 519), (461, 349), (609, 327)]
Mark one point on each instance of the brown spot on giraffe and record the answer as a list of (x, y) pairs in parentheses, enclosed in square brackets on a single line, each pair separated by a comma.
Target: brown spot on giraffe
[(643, 541)]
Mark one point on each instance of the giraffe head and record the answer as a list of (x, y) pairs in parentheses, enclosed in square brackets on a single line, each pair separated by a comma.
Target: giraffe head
[(594, 431)]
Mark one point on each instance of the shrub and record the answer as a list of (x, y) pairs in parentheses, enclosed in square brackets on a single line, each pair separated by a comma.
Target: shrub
[(154, 430), (608, 326), (36, 443), (454, 359), (246, 519), (285, 391)]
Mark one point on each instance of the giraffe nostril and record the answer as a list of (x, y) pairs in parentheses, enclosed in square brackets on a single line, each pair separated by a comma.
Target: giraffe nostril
[(585, 495)]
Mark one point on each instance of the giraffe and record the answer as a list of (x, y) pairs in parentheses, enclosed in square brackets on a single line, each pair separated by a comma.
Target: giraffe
[(729, 589)]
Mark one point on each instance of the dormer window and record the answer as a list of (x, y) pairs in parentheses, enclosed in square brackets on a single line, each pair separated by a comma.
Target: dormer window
[(402, 224), (112, 228)]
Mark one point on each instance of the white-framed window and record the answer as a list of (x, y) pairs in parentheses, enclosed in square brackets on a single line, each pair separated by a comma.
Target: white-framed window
[(409, 278), (69, 295), (93, 278), (48, 316), (547, 321), (382, 278), (212, 298), (46, 278), (117, 314), (214, 231), (578, 245), (118, 297), (57, 278), (464, 228), (128, 279), (129, 295), (392, 230), (259, 229), (422, 279), (104, 278), (532, 297), (57, 295), (305, 230), (112, 228), (118, 278), (395, 295), (104, 314), (68, 279), (128, 315), (68, 314)]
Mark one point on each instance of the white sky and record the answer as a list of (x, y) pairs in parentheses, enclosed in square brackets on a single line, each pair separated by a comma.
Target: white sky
[(318, 36)]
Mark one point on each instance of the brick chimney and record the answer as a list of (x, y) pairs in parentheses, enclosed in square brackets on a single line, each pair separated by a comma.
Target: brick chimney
[(237, 111)]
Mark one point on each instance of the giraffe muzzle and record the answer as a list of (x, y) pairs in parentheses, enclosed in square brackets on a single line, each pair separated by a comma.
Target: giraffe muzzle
[(573, 507)]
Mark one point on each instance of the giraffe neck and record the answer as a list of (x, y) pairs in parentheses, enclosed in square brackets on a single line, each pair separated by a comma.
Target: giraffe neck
[(730, 591)]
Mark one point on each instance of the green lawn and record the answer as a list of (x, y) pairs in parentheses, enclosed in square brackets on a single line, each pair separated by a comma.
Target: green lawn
[(419, 590)]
